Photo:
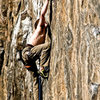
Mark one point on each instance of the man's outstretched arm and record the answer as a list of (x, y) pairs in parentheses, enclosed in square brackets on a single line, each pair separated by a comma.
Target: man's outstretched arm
[(43, 12), (44, 8)]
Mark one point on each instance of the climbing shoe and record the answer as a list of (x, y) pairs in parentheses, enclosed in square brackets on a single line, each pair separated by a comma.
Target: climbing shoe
[(44, 72)]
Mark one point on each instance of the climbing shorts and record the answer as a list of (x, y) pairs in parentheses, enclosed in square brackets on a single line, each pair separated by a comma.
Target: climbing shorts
[(31, 53), (26, 54)]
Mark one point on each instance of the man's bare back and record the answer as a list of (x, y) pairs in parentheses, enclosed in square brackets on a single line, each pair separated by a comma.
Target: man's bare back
[(38, 37)]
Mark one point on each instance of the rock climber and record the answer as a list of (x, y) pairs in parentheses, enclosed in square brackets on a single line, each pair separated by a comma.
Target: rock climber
[(37, 48)]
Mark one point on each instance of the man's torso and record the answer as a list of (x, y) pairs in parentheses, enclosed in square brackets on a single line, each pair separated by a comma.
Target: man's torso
[(38, 37)]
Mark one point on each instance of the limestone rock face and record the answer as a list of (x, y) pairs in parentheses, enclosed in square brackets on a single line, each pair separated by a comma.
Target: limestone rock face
[(75, 50)]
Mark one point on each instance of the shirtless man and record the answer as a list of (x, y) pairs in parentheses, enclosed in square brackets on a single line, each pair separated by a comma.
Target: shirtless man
[(37, 48)]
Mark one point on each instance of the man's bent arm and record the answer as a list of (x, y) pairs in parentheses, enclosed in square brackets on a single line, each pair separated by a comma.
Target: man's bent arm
[(44, 8)]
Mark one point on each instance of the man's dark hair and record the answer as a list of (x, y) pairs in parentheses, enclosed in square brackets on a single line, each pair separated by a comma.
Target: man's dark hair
[(36, 23)]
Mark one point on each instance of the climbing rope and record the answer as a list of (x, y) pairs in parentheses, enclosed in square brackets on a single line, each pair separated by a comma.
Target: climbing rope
[(40, 88), (39, 80)]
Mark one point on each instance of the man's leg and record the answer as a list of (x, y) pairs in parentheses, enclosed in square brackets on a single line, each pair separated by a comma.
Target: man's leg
[(44, 61), (41, 51), (45, 56), (25, 54)]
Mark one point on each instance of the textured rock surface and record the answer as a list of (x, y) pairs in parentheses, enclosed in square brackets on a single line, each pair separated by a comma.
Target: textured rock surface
[(75, 55)]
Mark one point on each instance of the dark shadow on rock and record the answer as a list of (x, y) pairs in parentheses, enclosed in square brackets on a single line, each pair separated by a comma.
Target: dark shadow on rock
[(50, 11), (1, 58), (19, 7), (49, 33)]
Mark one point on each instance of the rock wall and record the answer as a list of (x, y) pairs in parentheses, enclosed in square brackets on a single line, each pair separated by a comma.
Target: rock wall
[(75, 50)]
